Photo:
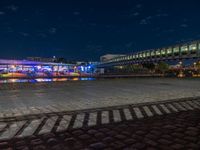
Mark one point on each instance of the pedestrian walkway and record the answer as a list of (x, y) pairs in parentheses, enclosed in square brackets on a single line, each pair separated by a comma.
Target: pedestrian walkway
[(84, 121)]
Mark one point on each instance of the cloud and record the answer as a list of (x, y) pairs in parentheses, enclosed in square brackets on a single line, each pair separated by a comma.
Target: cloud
[(135, 14), (93, 24), (148, 19), (13, 7), (76, 13), (94, 47), (185, 20), (52, 30), (184, 25), (143, 21), (24, 34), (2, 13), (138, 6), (162, 15), (43, 35), (129, 45)]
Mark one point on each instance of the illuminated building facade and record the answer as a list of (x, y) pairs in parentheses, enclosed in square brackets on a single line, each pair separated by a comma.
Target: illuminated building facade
[(190, 50), (24, 68)]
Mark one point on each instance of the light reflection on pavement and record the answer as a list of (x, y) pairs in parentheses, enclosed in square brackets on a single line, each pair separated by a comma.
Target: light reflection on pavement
[(75, 95)]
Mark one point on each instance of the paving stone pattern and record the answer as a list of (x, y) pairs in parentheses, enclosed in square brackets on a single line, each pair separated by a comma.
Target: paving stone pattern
[(159, 125)]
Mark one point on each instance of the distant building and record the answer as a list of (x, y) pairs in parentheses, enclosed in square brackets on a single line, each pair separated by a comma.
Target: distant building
[(42, 59), (107, 57)]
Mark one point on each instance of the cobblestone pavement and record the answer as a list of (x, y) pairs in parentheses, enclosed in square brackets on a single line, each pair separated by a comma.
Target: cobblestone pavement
[(158, 125), (25, 98)]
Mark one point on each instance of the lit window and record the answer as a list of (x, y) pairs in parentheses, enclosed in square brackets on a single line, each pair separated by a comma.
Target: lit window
[(163, 51), (152, 53), (169, 51), (176, 49), (148, 54), (141, 55), (184, 48), (158, 52), (144, 55), (193, 47)]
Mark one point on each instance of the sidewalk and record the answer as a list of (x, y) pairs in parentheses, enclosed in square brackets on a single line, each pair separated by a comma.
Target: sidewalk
[(162, 125)]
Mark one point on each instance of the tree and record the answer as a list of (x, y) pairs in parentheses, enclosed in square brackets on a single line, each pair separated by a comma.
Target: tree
[(162, 67), (149, 66)]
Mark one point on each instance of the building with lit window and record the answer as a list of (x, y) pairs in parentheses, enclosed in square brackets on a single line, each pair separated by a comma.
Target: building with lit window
[(34, 69)]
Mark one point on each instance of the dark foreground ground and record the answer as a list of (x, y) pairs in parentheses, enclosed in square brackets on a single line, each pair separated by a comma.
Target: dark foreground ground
[(173, 131)]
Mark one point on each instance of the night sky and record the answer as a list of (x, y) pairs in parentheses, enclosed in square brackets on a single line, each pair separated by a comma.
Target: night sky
[(87, 29)]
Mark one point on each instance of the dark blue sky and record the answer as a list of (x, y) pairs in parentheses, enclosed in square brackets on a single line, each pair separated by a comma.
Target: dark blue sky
[(87, 29)]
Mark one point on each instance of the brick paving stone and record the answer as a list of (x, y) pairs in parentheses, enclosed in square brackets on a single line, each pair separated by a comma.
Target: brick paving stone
[(193, 146), (77, 132), (177, 146), (20, 143), (191, 133), (151, 148), (120, 137), (164, 147), (108, 140), (178, 135), (48, 136), (62, 136), (116, 145), (56, 147), (97, 146), (52, 142), (67, 135), (84, 137), (129, 141), (36, 142), (155, 132), (77, 146), (126, 133), (104, 130), (8, 148), (99, 135), (190, 138), (69, 141), (140, 132), (22, 148), (41, 147), (112, 133), (138, 145), (151, 136), (164, 141), (147, 133), (166, 136), (150, 142), (193, 128), (171, 127), (180, 141), (92, 131), (4, 145)]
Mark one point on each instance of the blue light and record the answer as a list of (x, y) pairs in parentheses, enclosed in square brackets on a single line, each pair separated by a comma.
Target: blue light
[(82, 68)]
